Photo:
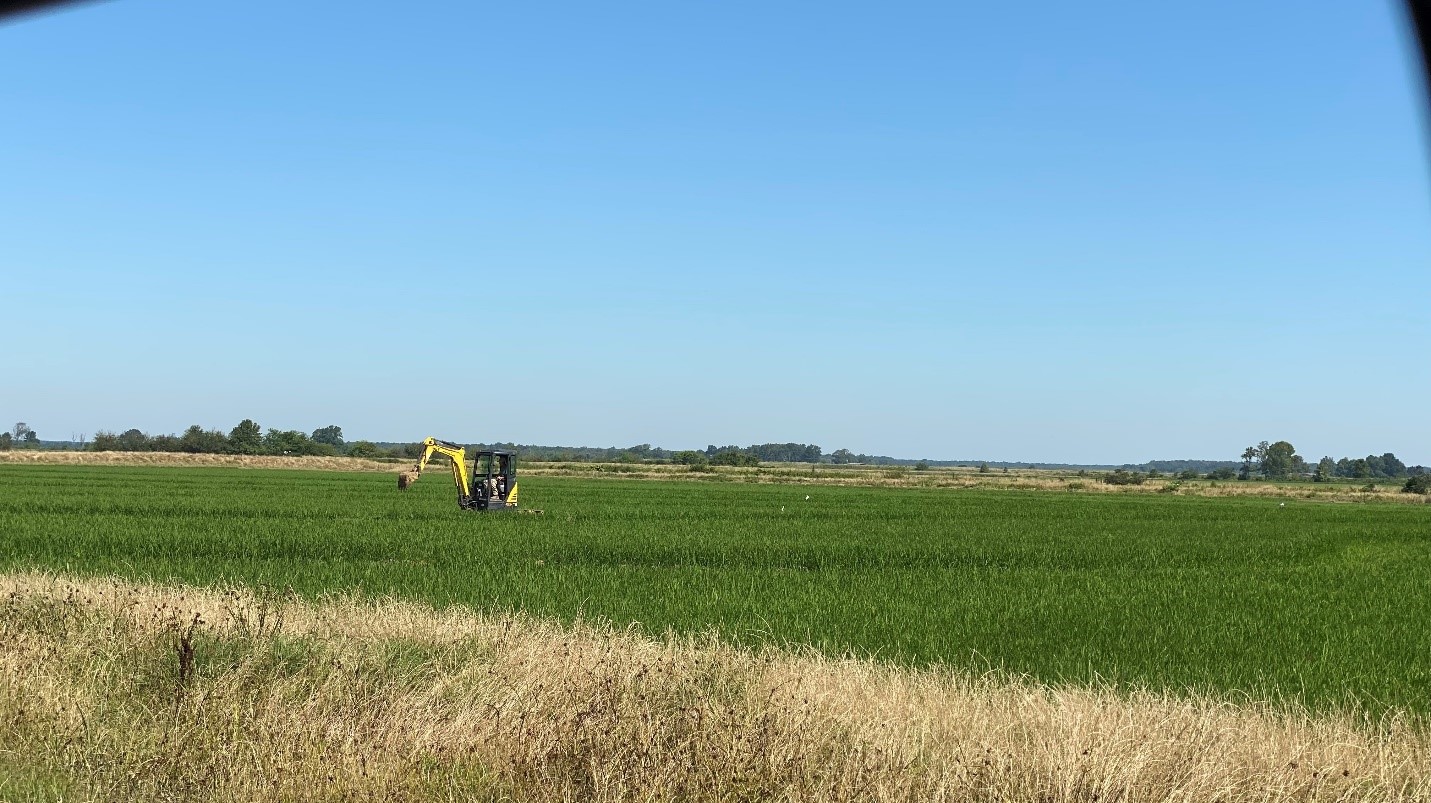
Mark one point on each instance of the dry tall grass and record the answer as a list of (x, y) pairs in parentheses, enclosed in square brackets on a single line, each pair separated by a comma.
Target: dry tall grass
[(113, 691), (183, 459)]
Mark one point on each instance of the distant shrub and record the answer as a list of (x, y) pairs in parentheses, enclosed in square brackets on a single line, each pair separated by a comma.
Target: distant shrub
[(1188, 474), (734, 457), (1419, 484), (1223, 473), (700, 468), (897, 473), (922, 465), (983, 468), (1122, 477)]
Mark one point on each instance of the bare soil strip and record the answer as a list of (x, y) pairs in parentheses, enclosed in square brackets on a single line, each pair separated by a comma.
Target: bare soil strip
[(116, 691)]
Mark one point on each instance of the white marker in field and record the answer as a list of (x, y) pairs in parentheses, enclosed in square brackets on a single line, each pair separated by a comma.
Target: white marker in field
[(807, 497)]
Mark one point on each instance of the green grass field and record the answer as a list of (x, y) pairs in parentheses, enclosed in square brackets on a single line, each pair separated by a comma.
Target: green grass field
[(1324, 603)]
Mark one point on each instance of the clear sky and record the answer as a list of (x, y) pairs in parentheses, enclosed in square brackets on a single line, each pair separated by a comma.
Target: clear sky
[(1099, 232)]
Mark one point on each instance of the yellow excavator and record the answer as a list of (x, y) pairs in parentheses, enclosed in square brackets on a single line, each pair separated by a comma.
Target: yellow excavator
[(491, 483)]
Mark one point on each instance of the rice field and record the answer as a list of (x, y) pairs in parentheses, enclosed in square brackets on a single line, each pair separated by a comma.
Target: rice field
[(1247, 598)]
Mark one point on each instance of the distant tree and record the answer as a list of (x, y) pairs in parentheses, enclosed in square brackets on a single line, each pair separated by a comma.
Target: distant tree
[(734, 456), (197, 440), (1390, 466), (6, 441), (690, 458), (1279, 460), (983, 468), (331, 435), (922, 465), (288, 442), (1189, 474), (165, 443), (1360, 468), (1222, 473), (132, 440), (842, 456), (246, 438), (1326, 470), (362, 449), (1123, 477), (20, 430), (1419, 484), (1249, 457), (32, 438), (104, 441)]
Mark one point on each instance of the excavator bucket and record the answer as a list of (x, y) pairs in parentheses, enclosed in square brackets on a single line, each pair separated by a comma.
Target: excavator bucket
[(407, 478)]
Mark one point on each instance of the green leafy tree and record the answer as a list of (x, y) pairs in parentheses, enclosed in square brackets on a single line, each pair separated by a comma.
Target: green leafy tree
[(1419, 484), (1250, 455), (132, 440), (32, 438), (842, 456), (922, 465), (1222, 473), (331, 435), (197, 440), (7, 441), (734, 456), (164, 443), (1124, 477), (246, 438), (289, 442), (1386, 466), (362, 449), (1326, 470), (104, 441), (690, 458), (1279, 460)]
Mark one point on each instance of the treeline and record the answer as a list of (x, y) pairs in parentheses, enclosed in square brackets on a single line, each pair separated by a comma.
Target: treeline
[(1280, 461), (646, 453), (247, 438), (19, 436)]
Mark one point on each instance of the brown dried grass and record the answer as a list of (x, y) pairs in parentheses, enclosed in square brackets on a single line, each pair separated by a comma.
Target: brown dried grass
[(352, 699)]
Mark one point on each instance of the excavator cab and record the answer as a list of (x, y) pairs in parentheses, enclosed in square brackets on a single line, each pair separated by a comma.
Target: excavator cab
[(494, 475)]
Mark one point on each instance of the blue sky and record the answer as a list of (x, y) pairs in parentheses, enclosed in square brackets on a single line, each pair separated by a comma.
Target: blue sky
[(1096, 233)]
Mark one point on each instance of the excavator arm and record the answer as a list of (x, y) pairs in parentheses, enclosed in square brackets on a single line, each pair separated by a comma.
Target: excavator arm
[(453, 452)]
